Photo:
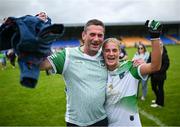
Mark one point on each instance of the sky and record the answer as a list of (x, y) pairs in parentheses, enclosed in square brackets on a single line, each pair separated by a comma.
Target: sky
[(80, 11)]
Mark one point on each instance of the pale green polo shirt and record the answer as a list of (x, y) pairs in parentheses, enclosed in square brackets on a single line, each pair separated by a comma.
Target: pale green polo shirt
[(85, 79)]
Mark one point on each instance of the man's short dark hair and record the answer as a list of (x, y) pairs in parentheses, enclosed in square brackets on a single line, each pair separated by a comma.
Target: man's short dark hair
[(94, 22)]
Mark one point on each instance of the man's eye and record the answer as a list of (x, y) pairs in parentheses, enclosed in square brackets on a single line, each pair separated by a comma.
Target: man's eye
[(92, 34), (100, 35)]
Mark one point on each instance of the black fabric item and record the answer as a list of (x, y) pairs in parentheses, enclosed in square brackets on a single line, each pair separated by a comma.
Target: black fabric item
[(28, 82), (158, 88), (7, 31), (103, 123)]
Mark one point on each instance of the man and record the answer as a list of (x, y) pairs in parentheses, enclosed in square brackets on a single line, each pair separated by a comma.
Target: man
[(158, 79), (85, 77)]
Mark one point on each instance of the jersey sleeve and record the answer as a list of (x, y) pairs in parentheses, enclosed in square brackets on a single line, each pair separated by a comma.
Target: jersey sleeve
[(57, 61), (144, 77), (134, 72)]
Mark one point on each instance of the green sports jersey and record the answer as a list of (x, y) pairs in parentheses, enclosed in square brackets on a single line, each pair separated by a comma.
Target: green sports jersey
[(85, 78), (121, 102)]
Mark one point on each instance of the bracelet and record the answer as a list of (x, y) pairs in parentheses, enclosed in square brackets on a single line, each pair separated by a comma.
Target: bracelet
[(153, 39)]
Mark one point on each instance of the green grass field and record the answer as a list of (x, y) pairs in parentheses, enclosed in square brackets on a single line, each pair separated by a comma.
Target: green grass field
[(45, 105)]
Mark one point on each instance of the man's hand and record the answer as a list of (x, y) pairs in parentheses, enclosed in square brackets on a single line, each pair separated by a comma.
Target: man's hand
[(154, 28)]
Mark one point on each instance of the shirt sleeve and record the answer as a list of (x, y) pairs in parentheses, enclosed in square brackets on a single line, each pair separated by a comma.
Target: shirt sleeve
[(135, 71), (144, 77), (57, 61)]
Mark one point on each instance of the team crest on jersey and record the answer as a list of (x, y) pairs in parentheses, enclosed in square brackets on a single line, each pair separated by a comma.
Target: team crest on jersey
[(121, 76)]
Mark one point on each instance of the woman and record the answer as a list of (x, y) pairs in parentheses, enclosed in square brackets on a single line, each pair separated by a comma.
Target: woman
[(122, 84), (143, 54)]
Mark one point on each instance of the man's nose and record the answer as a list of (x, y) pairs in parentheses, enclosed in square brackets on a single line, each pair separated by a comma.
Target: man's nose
[(96, 37)]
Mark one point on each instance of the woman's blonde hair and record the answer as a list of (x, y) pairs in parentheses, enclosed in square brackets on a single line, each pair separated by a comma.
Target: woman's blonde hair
[(111, 40)]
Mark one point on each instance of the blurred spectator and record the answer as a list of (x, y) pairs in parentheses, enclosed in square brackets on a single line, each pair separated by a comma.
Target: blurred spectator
[(3, 59), (12, 57), (158, 78), (123, 54), (143, 54)]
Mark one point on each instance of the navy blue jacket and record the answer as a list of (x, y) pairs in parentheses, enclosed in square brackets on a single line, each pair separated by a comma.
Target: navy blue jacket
[(31, 38)]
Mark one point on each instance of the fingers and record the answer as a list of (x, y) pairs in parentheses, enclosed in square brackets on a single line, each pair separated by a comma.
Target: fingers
[(137, 62)]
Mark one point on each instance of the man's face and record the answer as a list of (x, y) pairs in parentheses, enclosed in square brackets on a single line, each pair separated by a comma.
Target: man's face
[(93, 38), (111, 55)]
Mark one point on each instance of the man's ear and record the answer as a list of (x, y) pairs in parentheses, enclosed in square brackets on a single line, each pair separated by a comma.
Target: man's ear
[(83, 35)]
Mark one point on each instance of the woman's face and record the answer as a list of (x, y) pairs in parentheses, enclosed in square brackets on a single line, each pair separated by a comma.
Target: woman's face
[(141, 49), (111, 55)]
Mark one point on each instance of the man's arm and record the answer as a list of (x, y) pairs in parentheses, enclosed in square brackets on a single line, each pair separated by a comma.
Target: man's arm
[(54, 61), (155, 64)]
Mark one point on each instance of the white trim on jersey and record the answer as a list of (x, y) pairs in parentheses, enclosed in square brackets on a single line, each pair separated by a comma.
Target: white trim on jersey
[(93, 57), (51, 62), (66, 63), (145, 77)]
